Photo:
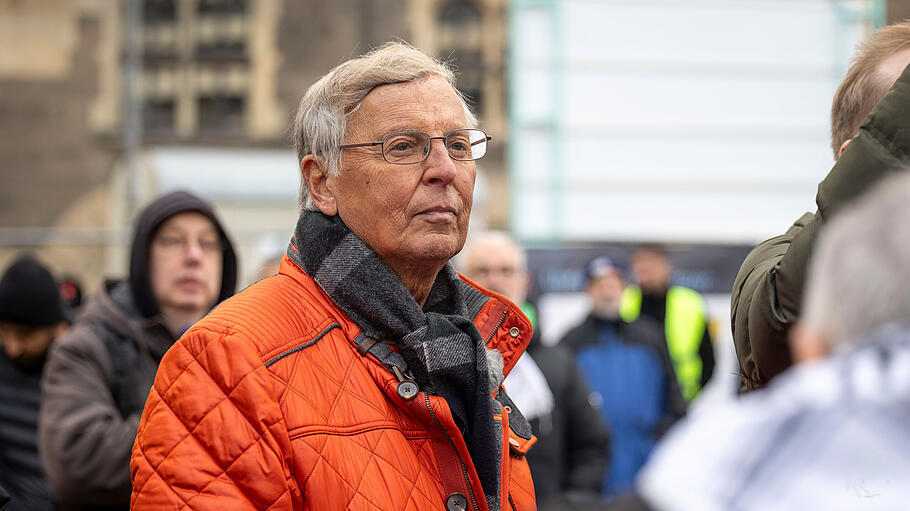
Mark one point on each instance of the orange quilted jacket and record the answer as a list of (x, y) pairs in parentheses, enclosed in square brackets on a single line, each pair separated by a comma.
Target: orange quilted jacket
[(266, 404)]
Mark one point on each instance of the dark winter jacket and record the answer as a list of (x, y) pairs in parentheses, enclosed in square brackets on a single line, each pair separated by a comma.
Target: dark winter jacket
[(628, 366), (654, 306), (98, 376), (4, 499), (644, 332), (21, 474), (91, 404), (767, 293), (573, 446)]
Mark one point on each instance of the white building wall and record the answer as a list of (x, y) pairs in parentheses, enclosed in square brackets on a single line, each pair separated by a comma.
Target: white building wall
[(672, 120)]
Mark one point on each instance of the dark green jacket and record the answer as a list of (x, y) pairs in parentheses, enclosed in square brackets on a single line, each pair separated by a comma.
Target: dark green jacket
[(767, 294)]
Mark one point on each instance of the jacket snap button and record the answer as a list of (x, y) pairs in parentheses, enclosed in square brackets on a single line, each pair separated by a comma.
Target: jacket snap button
[(456, 502), (514, 331), (407, 389)]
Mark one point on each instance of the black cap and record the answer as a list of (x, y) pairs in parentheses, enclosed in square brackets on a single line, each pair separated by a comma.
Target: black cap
[(29, 295), (147, 224)]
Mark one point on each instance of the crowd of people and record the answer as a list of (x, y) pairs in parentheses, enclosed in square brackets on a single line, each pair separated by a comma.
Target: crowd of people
[(369, 368)]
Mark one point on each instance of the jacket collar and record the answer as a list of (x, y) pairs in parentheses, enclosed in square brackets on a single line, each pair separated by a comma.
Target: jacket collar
[(500, 322)]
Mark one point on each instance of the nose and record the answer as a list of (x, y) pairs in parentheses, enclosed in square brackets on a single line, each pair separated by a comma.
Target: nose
[(439, 168), (194, 252), (13, 348)]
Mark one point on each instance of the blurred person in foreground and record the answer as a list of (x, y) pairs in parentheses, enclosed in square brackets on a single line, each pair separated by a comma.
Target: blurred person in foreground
[(830, 433), (678, 310), (568, 462), (629, 370), (366, 374), (768, 291), (98, 376), (31, 318)]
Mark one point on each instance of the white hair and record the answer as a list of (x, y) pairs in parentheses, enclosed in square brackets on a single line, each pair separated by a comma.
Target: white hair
[(324, 110), (859, 274), (484, 240)]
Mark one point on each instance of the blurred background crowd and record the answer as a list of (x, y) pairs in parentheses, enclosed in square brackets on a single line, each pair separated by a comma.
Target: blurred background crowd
[(640, 149)]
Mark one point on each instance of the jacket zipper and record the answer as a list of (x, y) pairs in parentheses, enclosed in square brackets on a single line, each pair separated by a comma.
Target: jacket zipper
[(512, 503), (464, 468), (501, 321)]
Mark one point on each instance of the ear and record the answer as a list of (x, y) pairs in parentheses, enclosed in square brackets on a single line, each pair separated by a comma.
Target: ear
[(807, 345), (842, 147), (313, 170)]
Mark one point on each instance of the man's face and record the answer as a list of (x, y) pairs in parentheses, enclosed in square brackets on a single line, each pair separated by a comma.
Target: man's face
[(605, 293), (408, 214), (652, 271), (185, 263), (496, 267), (27, 346)]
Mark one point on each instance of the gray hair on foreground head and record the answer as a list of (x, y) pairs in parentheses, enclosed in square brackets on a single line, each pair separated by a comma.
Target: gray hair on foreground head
[(859, 273), (324, 110)]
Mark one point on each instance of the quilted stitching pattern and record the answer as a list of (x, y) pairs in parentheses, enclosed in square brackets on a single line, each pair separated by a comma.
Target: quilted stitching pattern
[(312, 431)]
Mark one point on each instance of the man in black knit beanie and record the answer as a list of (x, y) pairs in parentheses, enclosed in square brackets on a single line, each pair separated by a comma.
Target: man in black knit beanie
[(31, 318)]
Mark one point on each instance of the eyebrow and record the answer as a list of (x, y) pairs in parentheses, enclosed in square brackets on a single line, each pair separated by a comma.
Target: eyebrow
[(176, 231), (396, 128)]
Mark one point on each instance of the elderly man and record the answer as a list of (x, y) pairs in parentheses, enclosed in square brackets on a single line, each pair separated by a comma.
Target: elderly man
[(98, 376), (831, 432), (569, 461), (366, 374), (767, 294)]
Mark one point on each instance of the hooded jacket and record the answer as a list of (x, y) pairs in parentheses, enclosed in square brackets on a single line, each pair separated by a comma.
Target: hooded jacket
[(98, 375), (285, 413), (767, 294)]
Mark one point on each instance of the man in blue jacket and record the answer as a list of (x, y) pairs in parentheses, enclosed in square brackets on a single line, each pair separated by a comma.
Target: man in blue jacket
[(630, 373)]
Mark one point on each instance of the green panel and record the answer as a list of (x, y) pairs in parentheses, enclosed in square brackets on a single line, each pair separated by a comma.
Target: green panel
[(552, 122)]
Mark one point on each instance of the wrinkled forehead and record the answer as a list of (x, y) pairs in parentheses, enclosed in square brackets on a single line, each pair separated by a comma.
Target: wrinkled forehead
[(427, 103), (493, 255)]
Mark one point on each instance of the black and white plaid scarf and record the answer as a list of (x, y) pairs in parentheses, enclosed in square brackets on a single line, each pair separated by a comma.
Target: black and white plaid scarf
[(441, 346)]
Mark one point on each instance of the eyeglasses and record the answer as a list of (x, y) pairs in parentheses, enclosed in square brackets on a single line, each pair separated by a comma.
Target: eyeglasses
[(410, 147), (485, 271), (178, 244)]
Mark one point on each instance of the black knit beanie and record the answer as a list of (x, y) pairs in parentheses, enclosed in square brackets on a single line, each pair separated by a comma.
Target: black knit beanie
[(144, 230), (29, 295)]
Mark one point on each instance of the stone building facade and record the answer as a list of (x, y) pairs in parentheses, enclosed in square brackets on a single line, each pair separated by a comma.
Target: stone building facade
[(216, 75)]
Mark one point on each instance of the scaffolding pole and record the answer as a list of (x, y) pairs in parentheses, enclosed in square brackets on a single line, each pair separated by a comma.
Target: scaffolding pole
[(132, 101)]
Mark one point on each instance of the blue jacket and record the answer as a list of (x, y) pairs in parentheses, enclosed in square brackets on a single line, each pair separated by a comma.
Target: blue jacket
[(631, 377)]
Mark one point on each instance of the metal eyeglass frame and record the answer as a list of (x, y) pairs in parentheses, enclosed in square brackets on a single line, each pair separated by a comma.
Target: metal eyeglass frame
[(486, 138)]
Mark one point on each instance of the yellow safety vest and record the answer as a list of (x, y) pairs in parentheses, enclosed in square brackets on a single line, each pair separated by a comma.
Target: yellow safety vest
[(684, 327)]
